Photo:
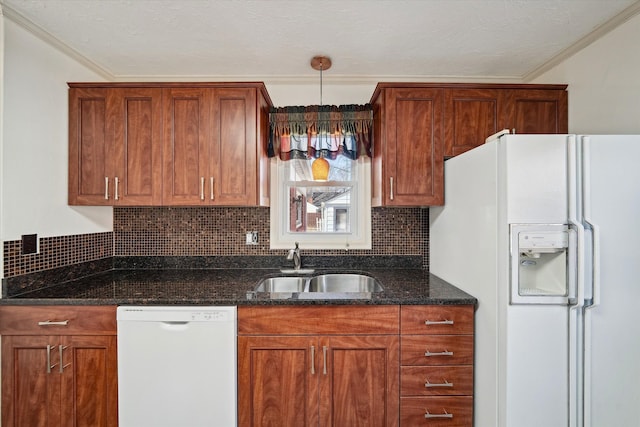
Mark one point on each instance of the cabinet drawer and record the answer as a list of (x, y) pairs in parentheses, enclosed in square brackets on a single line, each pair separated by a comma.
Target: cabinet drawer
[(436, 350), (305, 320), (58, 320), (436, 380), (436, 411), (437, 319)]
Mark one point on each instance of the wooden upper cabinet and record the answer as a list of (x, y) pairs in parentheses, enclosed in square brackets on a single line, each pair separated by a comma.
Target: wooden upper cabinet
[(474, 113), (114, 146), (173, 144), (408, 163), (90, 148), (136, 122), (534, 110), (471, 115), (187, 142), (233, 154)]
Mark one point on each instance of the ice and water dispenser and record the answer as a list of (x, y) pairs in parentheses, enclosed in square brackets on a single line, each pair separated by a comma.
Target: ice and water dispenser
[(542, 264)]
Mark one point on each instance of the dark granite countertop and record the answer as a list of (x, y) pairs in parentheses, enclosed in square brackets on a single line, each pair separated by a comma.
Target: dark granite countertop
[(227, 287)]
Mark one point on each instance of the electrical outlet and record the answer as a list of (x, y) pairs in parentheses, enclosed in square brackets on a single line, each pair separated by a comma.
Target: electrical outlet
[(251, 238), (29, 244)]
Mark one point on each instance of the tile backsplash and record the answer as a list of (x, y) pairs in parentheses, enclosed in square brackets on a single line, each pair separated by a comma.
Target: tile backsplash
[(55, 252), (207, 231)]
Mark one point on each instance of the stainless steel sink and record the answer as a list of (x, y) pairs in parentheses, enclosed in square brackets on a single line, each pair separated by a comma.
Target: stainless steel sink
[(343, 283), (323, 286), (282, 284)]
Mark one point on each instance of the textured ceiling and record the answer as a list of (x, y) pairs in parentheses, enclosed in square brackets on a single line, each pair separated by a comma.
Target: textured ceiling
[(277, 38)]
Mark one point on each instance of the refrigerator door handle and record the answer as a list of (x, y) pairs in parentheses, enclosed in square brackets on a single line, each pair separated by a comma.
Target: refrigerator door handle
[(592, 228), (572, 266), (576, 310)]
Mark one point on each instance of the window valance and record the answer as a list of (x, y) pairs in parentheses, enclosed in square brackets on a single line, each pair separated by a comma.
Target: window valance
[(320, 131)]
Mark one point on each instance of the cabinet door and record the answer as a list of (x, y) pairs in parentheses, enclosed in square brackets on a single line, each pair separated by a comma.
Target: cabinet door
[(30, 383), (90, 148), (135, 115), (471, 115), (89, 381), (535, 111), (277, 381), (413, 157), (359, 382), (234, 150), (186, 143)]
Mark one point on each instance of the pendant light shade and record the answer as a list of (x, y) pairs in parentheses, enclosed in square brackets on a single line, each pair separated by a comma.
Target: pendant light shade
[(320, 169)]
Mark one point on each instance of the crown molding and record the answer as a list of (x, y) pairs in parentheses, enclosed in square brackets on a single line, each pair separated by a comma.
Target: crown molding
[(313, 80), (593, 36), (50, 39)]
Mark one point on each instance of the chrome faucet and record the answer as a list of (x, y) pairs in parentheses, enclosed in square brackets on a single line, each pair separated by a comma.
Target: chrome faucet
[(294, 254)]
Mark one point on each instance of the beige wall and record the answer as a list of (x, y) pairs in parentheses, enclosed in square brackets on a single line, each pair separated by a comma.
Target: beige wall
[(34, 141), (604, 83)]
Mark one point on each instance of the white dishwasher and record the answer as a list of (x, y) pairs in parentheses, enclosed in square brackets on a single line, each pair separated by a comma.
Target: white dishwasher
[(177, 366)]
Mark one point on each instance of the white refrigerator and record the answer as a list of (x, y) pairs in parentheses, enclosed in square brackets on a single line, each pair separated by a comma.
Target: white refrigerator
[(544, 230)]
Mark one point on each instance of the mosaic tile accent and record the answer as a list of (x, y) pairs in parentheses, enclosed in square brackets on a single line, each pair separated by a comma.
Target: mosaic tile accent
[(56, 252), (212, 231), (207, 232)]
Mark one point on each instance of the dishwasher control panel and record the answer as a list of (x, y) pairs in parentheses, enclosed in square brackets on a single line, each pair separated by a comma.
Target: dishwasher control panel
[(210, 316), (176, 314)]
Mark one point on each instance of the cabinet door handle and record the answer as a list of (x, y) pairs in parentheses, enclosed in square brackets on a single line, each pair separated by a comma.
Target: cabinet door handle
[(391, 182), (54, 323), (445, 415), (443, 384), (115, 193), (324, 359), (438, 322), (62, 365), (441, 353), (202, 188), (106, 188), (212, 196), (49, 365), (313, 360)]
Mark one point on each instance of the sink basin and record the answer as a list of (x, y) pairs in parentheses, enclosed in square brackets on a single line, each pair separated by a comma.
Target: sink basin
[(282, 284), (324, 286), (343, 283)]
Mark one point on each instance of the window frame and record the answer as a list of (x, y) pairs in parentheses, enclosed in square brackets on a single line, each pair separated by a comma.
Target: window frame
[(358, 238)]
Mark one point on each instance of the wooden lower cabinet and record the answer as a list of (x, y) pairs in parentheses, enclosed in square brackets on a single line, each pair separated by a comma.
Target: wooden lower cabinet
[(316, 379), (436, 358), (52, 380)]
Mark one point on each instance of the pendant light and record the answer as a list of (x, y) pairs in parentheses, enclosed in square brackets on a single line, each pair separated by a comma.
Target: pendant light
[(320, 166)]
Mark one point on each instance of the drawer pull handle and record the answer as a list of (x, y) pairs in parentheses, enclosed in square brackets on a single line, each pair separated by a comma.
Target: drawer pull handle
[(313, 360), (441, 353), (54, 323), (438, 322), (443, 384), (445, 415)]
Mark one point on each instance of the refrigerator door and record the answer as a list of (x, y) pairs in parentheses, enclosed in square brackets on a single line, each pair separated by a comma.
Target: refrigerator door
[(611, 205)]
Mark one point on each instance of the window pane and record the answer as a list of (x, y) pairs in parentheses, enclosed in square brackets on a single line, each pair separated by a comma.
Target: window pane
[(323, 209)]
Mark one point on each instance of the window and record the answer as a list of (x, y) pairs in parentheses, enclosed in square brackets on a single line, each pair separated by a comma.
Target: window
[(332, 214)]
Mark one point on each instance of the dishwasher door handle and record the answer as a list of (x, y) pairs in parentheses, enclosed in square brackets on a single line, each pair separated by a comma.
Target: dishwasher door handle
[(174, 325)]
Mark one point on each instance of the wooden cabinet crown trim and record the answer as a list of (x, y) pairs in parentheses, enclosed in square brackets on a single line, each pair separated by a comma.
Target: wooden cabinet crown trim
[(257, 85), (389, 85)]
